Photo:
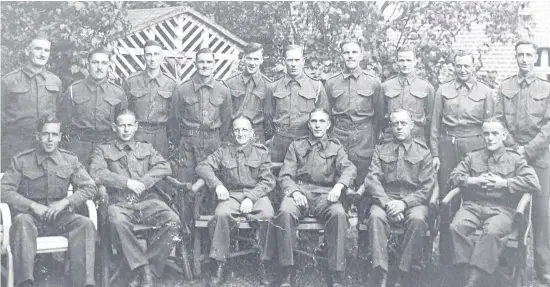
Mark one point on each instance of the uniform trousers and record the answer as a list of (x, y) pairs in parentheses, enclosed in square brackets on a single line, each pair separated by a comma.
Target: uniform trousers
[(379, 228), (123, 217), (332, 214), (155, 135), (225, 221), (78, 229), (484, 254), (541, 222), (452, 151)]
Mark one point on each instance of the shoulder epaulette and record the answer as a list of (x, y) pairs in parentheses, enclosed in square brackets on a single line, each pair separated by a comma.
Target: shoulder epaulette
[(512, 150), (542, 79), (421, 143), (170, 77), (390, 78), (134, 74), (12, 72), (334, 140), (77, 82), (116, 86), (28, 151), (233, 75), (259, 145), (477, 150), (369, 74), (510, 77), (334, 75), (66, 151)]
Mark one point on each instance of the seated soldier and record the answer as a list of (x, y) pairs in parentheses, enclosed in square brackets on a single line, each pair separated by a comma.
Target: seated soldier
[(241, 175), (315, 172), (35, 187), (400, 180), (493, 180), (129, 169)]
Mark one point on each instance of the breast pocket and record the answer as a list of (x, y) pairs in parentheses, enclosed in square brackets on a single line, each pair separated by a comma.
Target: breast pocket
[(108, 109), (392, 97), (34, 183), (49, 102), (450, 103), (475, 105), (508, 101), (162, 101), (253, 170), (214, 107), (191, 106), (537, 103), (341, 100), (21, 96), (364, 102), (282, 102), (62, 181), (389, 167), (229, 169), (413, 168), (306, 101), (328, 162), (479, 169), (416, 102), (138, 101), (82, 106)]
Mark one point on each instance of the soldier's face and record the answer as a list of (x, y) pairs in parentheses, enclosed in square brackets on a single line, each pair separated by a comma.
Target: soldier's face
[(49, 137), (406, 61), (401, 125), (253, 61), (205, 64), (242, 131), (125, 127), (464, 68), (318, 123), (494, 135), (153, 57), (38, 52), (351, 55), (99, 66), (294, 62), (526, 56)]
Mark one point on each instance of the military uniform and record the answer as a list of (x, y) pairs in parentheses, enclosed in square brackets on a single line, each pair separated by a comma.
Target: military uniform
[(524, 105), (459, 112), (249, 94), (313, 166), (413, 94), (88, 111), (37, 177), (399, 171), (356, 102), (293, 98), (26, 97), (492, 210), (246, 173), (115, 162), (150, 99)]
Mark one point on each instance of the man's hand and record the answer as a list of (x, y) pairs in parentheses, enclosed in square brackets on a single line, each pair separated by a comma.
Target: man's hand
[(299, 198), (335, 192), (397, 218), (222, 192), (246, 206), (395, 207), (55, 208), (436, 163), (135, 186), (496, 182), (39, 210), (478, 180)]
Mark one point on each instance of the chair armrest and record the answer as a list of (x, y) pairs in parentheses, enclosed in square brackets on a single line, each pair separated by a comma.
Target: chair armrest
[(92, 212), (435, 195), (454, 192), (6, 225), (445, 212), (102, 204), (197, 189), (177, 184), (522, 221), (523, 204)]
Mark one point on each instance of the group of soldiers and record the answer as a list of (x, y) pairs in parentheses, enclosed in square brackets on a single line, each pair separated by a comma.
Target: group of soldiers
[(385, 146)]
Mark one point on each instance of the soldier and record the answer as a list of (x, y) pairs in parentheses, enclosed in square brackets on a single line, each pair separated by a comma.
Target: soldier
[(240, 173), (524, 106), (129, 169), (28, 93), (493, 180), (407, 91), (249, 90), (400, 181), (356, 102), (293, 97), (460, 108), (35, 187), (315, 172), (149, 95), (88, 107)]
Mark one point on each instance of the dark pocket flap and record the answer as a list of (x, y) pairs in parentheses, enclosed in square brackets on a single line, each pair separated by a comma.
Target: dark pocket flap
[(259, 94), (328, 153), (52, 88), (254, 163), (337, 93), (477, 96), (32, 173), (80, 99), (216, 99), (388, 158), (413, 159), (138, 93), (165, 94), (229, 163), (479, 168), (365, 93), (191, 99), (20, 89), (539, 95), (392, 93), (419, 94), (237, 93), (449, 94), (510, 93), (281, 95), (112, 100), (64, 173), (114, 155), (307, 94)]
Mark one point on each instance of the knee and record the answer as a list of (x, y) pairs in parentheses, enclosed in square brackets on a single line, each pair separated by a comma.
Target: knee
[(377, 214), (337, 212), (417, 220), (23, 220), (222, 213), (117, 219), (85, 223)]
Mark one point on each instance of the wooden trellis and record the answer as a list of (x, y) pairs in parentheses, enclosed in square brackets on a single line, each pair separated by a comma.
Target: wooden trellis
[(182, 31)]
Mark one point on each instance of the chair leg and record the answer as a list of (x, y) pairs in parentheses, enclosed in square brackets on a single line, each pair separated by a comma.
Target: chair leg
[(197, 253), (185, 260), (105, 259), (11, 274)]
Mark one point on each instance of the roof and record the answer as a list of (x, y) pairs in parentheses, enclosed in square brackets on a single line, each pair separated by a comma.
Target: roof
[(143, 18)]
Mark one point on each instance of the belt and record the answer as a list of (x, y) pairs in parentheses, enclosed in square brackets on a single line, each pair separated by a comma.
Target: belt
[(198, 132), (350, 125)]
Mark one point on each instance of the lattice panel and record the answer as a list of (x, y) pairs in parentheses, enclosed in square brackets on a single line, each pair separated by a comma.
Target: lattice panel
[(180, 37)]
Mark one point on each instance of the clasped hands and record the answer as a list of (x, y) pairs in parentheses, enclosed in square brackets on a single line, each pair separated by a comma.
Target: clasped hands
[(49, 213), (489, 181), (223, 194), (395, 209)]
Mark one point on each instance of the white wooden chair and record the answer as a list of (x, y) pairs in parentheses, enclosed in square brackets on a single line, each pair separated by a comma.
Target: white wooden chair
[(45, 244)]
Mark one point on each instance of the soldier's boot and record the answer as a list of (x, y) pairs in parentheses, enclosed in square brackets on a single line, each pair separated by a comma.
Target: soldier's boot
[(476, 277), (219, 277), (337, 278), (147, 277), (137, 275), (266, 273), (378, 277), (287, 276)]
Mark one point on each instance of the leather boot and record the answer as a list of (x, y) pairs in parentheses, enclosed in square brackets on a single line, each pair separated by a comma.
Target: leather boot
[(286, 276), (147, 277), (266, 273), (337, 278), (137, 274), (378, 277), (476, 277), (219, 277)]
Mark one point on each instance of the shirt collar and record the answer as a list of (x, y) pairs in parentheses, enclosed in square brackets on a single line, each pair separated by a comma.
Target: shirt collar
[(93, 84), (312, 140), (256, 77), (299, 79), (41, 156), (199, 81), (355, 73), (159, 78), (246, 149), (121, 144), (407, 143), (497, 154), (32, 73), (406, 80), (470, 83), (528, 78)]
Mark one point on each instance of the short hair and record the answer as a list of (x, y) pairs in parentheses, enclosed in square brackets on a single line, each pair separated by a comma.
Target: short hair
[(40, 36), (526, 42), (150, 43), (293, 47), (495, 120), (351, 41), (462, 53), (99, 50), (47, 119), (401, 111), (242, 117), (253, 47), (407, 48), (204, 51), (317, 110), (122, 112)]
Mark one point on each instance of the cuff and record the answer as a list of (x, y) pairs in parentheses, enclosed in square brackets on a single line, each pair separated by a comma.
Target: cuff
[(250, 195), (508, 184), (211, 183), (73, 201), (289, 192), (409, 202)]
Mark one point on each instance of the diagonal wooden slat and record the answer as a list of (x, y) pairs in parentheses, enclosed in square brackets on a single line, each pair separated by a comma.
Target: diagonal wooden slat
[(192, 37), (136, 59)]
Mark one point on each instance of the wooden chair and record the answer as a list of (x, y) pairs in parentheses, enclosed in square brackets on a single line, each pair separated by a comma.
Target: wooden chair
[(179, 262), (44, 244), (513, 261)]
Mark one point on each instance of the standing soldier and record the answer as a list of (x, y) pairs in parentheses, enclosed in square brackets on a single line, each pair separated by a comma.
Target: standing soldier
[(407, 91), (28, 93), (356, 102), (35, 188), (88, 107), (315, 172), (294, 96), (149, 94), (249, 90), (524, 105), (460, 108), (241, 176)]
